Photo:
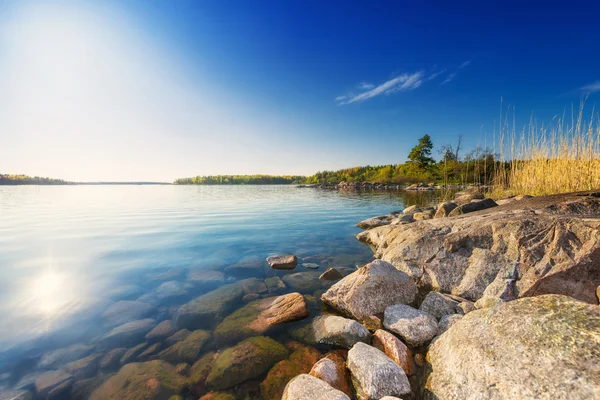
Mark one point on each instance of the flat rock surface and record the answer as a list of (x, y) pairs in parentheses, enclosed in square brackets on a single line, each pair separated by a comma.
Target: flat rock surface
[(282, 261), (531, 348)]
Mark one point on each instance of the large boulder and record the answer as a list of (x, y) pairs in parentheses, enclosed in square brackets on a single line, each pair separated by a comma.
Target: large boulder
[(259, 316), (186, 350), (247, 360), (370, 290), (338, 331), (472, 206), (416, 327), (542, 245), (531, 348), (152, 380), (161, 331), (374, 374), (206, 310), (307, 387), (394, 349), (303, 282)]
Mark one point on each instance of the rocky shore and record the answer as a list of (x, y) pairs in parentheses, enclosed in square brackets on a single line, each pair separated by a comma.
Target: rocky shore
[(357, 185), (471, 299)]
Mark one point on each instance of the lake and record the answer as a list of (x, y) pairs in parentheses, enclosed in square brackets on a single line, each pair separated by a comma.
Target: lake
[(67, 253)]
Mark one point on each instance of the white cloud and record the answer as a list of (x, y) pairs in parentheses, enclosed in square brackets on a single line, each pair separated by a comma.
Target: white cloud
[(592, 87), (402, 83), (435, 74), (465, 64), (449, 78), (366, 86), (340, 98)]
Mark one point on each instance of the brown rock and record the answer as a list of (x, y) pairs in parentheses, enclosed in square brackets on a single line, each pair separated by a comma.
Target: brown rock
[(85, 367), (445, 208), (112, 358), (199, 372), (188, 349), (182, 369), (177, 337), (50, 380), (394, 349), (283, 262), (372, 322), (161, 331), (332, 369), (331, 274), (149, 353)]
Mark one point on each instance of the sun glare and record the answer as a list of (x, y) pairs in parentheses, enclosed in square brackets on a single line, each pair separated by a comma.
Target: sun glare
[(51, 293)]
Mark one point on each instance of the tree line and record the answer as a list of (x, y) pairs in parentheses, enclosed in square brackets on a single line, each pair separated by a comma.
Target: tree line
[(18, 179), (240, 180)]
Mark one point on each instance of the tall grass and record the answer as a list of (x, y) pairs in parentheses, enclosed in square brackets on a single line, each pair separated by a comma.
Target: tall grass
[(563, 156)]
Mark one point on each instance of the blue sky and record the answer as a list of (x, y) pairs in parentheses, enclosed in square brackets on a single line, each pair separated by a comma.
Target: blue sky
[(155, 90)]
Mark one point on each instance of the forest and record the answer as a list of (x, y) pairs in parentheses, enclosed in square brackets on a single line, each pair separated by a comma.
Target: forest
[(19, 179)]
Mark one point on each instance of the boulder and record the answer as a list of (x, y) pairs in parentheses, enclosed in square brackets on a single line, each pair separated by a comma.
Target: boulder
[(530, 348), (85, 367), (206, 310), (474, 205), (132, 353), (306, 387), (177, 337), (112, 358), (374, 374), (370, 290), (445, 208), (199, 372), (205, 279), (303, 282), (126, 334), (51, 380), (127, 310), (395, 350), (438, 305), (447, 321), (57, 358), (274, 285), (83, 389), (152, 380), (247, 266), (161, 331), (248, 359), (403, 219), (424, 215), (310, 265), (282, 261), (332, 369), (541, 245), (150, 352), (300, 362), (462, 198), (339, 331), (259, 316), (331, 274), (186, 350), (374, 222), (411, 210), (416, 327)]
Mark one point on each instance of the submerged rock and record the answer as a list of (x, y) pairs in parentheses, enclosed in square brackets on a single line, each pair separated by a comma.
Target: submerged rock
[(259, 316), (374, 374), (331, 274), (16, 395), (247, 360), (310, 265), (206, 310), (306, 387), (85, 367), (303, 282), (112, 358), (282, 261), (199, 372), (177, 337), (370, 290), (152, 380), (56, 358), (416, 327), (51, 380), (274, 285), (127, 310), (132, 353), (206, 279), (339, 331), (542, 245), (161, 331), (539, 347), (127, 334), (249, 265), (186, 350)]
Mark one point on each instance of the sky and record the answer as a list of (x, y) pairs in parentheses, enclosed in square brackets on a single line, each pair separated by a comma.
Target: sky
[(155, 90)]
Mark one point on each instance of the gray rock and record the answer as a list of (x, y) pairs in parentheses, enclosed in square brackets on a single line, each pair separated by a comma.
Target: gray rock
[(438, 305), (249, 265), (206, 279), (306, 387), (177, 337), (303, 282), (133, 353), (544, 347), (374, 222), (127, 310), (374, 374), (416, 327), (339, 331), (112, 358), (126, 334), (282, 261), (445, 208), (125, 292), (16, 395), (82, 389), (331, 274), (85, 367), (161, 331), (57, 358), (50, 380), (369, 290), (208, 309), (447, 321), (474, 205), (310, 265), (403, 219), (274, 285)]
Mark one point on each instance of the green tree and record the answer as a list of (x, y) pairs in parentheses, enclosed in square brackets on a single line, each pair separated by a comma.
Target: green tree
[(421, 153)]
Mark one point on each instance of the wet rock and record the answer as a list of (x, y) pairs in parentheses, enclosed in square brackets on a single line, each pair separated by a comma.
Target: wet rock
[(250, 265), (149, 352), (206, 279), (303, 282), (126, 334), (253, 286), (274, 285), (332, 369), (152, 380), (247, 360), (395, 350), (370, 290), (438, 305), (259, 316), (57, 358), (374, 222), (199, 372), (530, 348), (206, 310), (331, 274), (177, 337), (374, 374), (310, 266), (445, 208), (307, 387), (125, 292), (282, 261), (161, 331), (85, 367), (416, 327), (339, 331), (299, 362), (16, 395), (50, 380), (168, 291), (250, 297), (61, 391), (27, 382), (133, 353), (166, 275), (218, 396), (186, 350), (127, 310), (83, 389), (112, 358)]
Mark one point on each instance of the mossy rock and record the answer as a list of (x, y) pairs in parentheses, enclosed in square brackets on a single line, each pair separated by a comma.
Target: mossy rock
[(206, 310), (186, 350), (218, 396), (299, 362), (152, 380), (274, 284), (247, 360), (199, 372)]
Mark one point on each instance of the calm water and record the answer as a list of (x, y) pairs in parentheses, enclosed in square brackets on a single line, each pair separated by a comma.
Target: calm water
[(68, 252)]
